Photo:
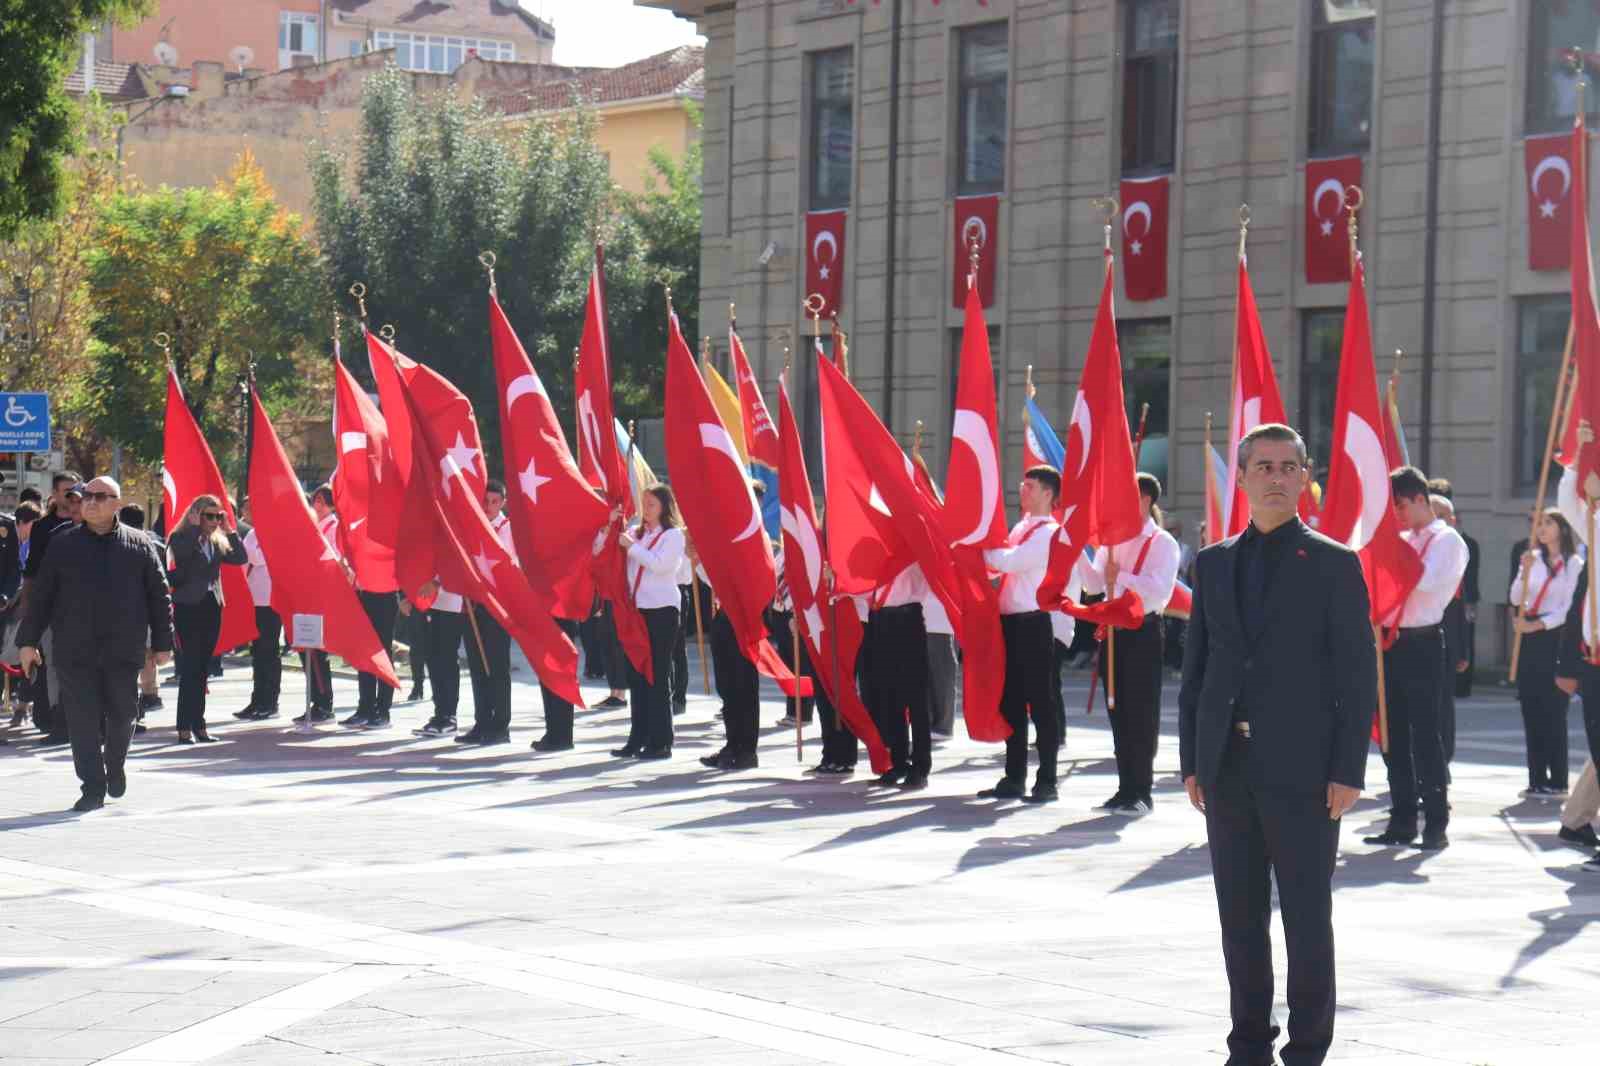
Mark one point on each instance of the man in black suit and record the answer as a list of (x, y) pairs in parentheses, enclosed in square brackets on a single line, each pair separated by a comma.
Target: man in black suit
[(1279, 688)]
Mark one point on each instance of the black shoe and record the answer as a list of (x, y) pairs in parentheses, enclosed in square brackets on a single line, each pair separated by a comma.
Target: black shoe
[(186, 740), (1131, 808), (1592, 866), (377, 721), (205, 738), (655, 753), (1393, 838), (835, 769), (248, 712), (436, 727), (357, 720), (54, 740), (1042, 793), (1584, 838), (150, 702), (415, 695), (471, 736), (116, 784), (215, 671), (322, 714), (1434, 840), (1115, 802), (680, 707), (747, 761), (138, 727), (262, 714), (499, 736), (546, 744), (891, 777), (88, 803), (914, 782), (1006, 789), (627, 751), (714, 760), (612, 701)]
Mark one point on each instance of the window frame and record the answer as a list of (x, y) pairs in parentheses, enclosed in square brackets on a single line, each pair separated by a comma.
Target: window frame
[(1315, 375), (1126, 330), (1538, 117), (1141, 159), (288, 23), (1527, 440), (1323, 139), (980, 34), (408, 46), (816, 103)]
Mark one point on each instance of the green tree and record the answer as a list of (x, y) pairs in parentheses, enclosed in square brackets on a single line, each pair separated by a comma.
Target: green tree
[(432, 182), (225, 272), (38, 127)]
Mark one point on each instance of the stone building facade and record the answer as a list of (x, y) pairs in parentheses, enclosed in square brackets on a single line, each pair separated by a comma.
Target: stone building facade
[(1228, 98)]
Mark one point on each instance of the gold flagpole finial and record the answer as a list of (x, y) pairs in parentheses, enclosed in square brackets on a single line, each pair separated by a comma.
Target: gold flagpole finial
[(1353, 199), (814, 303), (705, 351), (668, 290), (916, 440), (1027, 381), (164, 342), (1399, 353), (733, 314), (1107, 204), (338, 320), (1244, 228), (386, 331), (359, 291), (786, 359), (488, 261)]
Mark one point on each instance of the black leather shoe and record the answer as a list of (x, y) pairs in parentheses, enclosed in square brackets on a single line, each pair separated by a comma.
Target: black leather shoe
[(1583, 838), (88, 803), (471, 736), (627, 751), (713, 760), (612, 701), (497, 737), (1042, 794), (415, 695), (914, 783), (890, 778), (53, 740), (1392, 838), (245, 714), (262, 714), (205, 738), (357, 720), (1114, 803), (186, 740), (747, 761), (655, 753), (116, 784), (546, 744), (1006, 789), (1434, 840)]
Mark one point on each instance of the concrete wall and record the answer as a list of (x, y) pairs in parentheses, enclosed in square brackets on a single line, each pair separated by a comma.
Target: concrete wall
[(1243, 115), (627, 135)]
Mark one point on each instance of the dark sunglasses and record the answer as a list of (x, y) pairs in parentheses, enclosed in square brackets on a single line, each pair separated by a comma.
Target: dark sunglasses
[(100, 497), (211, 516)]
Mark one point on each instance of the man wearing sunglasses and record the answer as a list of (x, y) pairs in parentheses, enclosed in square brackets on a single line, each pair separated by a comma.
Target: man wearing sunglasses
[(102, 591)]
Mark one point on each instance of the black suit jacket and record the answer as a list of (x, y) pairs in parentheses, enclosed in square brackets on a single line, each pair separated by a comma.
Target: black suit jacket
[(1310, 678), (192, 573)]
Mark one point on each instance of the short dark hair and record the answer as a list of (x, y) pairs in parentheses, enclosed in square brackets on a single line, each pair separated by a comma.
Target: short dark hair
[(1046, 476), (495, 485), (1270, 431), (69, 476), (1149, 485), (27, 511), (1440, 486), (324, 493), (1407, 482), (30, 495), (131, 514)]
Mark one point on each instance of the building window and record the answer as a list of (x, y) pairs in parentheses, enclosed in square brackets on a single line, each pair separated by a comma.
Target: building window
[(1146, 346), (833, 79), (1341, 75), (1322, 337), (1541, 335), (297, 36), (440, 55), (1150, 86), (1554, 30), (981, 139)]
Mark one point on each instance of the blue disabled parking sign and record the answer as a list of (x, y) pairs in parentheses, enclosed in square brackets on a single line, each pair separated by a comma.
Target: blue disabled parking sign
[(24, 422)]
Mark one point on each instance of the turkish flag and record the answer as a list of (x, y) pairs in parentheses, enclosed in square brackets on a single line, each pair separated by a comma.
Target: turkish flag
[(1099, 489), (832, 631), (973, 507), (188, 470), (1144, 237), (367, 488), (555, 514), (977, 221), (1358, 507), (878, 515), (310, 591), (1548, 162), (1256, 399), (1585, 415), (719, 509), (1327, 238), (760, 436), (825, 258)]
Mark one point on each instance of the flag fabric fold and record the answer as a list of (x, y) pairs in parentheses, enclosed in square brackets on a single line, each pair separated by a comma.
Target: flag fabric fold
[(1581, 448), (761, 438), (367, 489), (1255, 401)]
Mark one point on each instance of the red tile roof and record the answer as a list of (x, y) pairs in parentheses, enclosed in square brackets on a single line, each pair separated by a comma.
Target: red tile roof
[(114, 81), (680, 71)]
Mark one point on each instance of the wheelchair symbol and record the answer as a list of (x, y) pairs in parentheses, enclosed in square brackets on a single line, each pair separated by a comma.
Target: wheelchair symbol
[(17, 415)]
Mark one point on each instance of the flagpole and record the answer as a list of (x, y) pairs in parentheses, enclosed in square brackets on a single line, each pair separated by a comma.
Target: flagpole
[(1235, 416), (694, 568), (1209, 537)]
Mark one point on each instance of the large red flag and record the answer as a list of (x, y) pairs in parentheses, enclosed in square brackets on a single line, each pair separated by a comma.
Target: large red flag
[(1256, 400), (1585, 329), (415, 559), (974, 506), (879, 510), (310, 591), (1358, 506), (1549, 163), (367, 488), (188, 470), (760, 436), (1144, 237), (1327, 245), (719, 508), (554, 512), (832, 630), (447, 496)]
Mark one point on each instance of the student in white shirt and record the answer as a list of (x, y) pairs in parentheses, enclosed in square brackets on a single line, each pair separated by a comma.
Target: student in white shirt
[(1147, 565), (655, 548), (1577, 674), (489, 665), (319, 677), (1545, 583), (446, 625), (897, 678), (266, 662)]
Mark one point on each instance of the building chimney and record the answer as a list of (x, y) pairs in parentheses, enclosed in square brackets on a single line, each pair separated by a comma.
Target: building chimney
[(88, 63), (208, 79)]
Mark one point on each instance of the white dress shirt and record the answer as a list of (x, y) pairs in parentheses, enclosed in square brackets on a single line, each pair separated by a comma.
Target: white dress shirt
[(1555, 597), (329, 528), (908, 586), (1577, 517), (1022, 563), (501, 523), (653, 560), (1157, 574), (685, 574), (935, 619), (445, 600), (255, 571), (1444, 560)]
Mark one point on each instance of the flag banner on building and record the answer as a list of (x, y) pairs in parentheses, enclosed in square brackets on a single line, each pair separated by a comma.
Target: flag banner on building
[(1548, 164), (189, 470), (308, 581), (824, 253), (555, 513), (1327, 240), (977, 221), (1144, 237), (1256, 400), (367, 490), (832, 630), (760, 436)]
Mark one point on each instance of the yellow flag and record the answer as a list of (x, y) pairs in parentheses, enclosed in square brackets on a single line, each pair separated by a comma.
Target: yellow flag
[(726, 402)]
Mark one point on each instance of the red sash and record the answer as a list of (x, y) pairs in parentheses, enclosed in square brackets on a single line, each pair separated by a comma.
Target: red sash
[(633, 593), (1550, 575)]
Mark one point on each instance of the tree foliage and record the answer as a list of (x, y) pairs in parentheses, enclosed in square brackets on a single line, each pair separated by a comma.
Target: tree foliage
[(38, 128), (227, 273), (433, 182)]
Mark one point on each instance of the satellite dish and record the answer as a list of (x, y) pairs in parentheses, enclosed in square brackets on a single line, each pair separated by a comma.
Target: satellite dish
[(241, 56), (166, 55)]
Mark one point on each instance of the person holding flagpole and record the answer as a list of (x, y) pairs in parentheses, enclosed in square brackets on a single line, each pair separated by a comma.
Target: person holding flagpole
[(1545, 582), (897, 688), (489, 652), (319, 677), (654, 549), (200, 548)]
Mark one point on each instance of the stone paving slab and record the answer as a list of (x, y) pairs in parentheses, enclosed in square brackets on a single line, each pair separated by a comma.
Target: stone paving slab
[(284, 898)]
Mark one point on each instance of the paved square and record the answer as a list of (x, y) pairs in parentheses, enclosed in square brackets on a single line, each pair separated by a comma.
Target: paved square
[(349, 898)]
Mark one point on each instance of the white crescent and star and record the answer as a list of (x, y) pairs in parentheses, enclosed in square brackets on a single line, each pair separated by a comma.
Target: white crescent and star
[(351, 441), (826, 237), (1135, 209), (716, 438), (971, 430), (1547, 207), (1365, 451), (524, 385), (169, 489), (1335, 186), (1084, 423), (485, 565), (973, 222), (531, 480)]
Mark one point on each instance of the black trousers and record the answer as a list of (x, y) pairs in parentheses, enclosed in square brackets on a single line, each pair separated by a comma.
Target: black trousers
[(899, 688), (839, 745), (594, 655), (1030, 666), (319, 678), (1447, 712), (680, 651), (1255, 834), (92, 694), (1136, 722), (1061, 653), (266, 660), (942, 681), (444, 640), (1589, 691), (1544, 709), (618, 669), (650, 703), (198, 625), (739, 686), (557, 711), (491, 683), (413, 626), (382, 610), (1412, 673)]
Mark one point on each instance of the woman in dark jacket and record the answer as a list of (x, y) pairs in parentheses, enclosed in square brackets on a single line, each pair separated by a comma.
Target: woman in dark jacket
[(199, 549)]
